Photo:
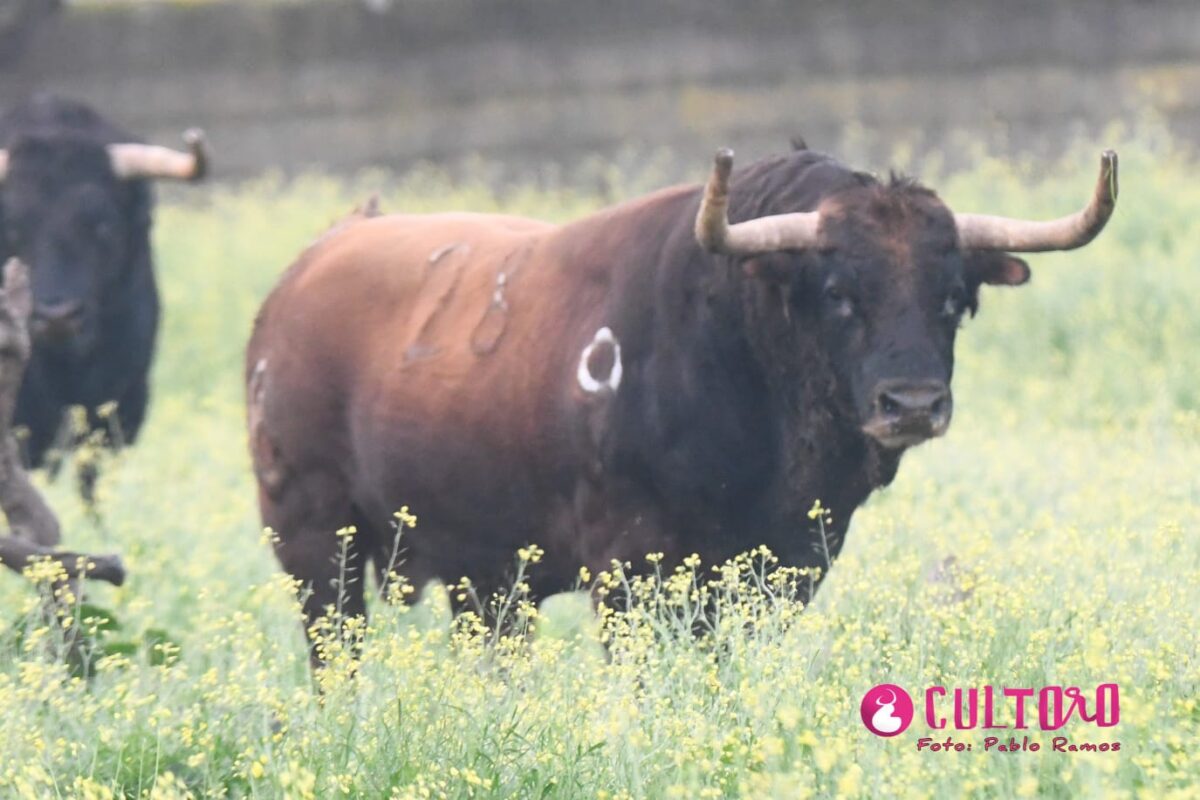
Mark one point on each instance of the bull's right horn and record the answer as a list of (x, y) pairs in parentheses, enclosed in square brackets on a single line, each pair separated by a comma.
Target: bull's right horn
[(986, 232), (3, 164), (796, 231), (137, 161)]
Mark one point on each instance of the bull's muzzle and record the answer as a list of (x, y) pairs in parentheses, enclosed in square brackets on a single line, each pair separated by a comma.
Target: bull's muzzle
[(907, 412), (57, 322)]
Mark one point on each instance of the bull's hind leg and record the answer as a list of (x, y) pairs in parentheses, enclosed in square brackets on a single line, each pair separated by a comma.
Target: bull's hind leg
[(307, 513)]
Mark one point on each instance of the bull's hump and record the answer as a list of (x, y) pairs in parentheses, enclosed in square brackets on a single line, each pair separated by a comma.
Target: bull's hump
[(457, 222), (402, 245)]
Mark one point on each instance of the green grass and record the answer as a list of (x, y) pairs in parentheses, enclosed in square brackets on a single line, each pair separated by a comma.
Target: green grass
[(1067, 491)]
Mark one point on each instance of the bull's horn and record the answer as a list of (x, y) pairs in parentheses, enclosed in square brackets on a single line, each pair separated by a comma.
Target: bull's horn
[(795, 231), (3, 164), (984, 232), (133, 161)]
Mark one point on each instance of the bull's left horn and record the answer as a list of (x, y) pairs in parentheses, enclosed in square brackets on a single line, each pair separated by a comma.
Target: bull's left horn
[(984, 232), (795, 231), (133, 161), (3, 164)]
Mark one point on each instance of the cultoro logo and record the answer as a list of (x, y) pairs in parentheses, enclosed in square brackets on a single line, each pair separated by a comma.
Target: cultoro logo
[(886, 710)]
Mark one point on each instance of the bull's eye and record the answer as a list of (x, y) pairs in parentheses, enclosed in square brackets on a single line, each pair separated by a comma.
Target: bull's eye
[(955, 304), (839, 303)]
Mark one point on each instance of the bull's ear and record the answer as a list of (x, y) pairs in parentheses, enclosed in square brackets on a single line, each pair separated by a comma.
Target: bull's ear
[(996, 269)]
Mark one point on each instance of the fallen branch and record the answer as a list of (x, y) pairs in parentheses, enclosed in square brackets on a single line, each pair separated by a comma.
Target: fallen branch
[(18, 554)]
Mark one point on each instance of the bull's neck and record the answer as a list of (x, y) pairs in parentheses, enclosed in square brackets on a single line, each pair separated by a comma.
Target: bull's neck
[(728, 411), (727, 395), (755, 405)]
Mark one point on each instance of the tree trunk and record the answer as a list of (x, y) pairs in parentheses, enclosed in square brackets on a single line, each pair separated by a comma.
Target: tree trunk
[(35, 530)]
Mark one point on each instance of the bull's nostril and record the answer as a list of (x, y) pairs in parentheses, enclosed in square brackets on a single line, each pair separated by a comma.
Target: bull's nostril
[(59, 312), (907, 411), (913, 399), (57, 321)]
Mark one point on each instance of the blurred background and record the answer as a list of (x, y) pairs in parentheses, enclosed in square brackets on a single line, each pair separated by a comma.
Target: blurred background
[(1068, 489), (551, 85)]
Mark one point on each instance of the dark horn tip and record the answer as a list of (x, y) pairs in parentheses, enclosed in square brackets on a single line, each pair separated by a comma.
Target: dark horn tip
[(197, 142), (1108, 169), (1108, 159), (722, 164)]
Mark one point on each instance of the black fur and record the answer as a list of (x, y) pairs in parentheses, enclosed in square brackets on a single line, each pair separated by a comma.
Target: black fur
[(746, 400), (86, 237)]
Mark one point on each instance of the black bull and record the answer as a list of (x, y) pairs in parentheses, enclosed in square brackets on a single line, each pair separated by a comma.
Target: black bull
[(76, 206)]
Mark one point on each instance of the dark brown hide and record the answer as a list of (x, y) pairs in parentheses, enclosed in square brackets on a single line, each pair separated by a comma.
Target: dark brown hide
[(459, 364)]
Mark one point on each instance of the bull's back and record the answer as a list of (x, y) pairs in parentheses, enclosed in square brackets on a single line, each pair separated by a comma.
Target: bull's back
[(370, 284), (378, 341)]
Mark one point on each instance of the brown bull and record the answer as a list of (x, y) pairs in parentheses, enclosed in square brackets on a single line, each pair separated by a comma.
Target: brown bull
[(648, 378)]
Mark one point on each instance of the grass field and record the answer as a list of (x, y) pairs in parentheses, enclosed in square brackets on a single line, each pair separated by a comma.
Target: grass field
[(1067, 492)]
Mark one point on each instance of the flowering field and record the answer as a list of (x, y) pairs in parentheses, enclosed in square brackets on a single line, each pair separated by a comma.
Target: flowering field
[(1049, 539)]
